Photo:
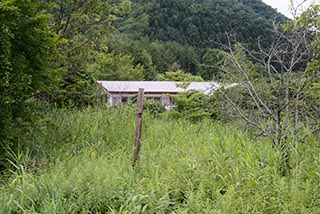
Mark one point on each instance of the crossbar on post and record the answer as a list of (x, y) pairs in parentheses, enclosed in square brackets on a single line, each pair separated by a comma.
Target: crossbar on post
[(138, 127)]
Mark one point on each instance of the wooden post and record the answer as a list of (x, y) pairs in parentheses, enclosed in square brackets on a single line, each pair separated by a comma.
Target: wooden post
[(138, 127)]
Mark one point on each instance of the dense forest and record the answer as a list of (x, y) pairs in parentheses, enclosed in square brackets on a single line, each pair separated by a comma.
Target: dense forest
[(182, 32), (251, 148), (200, 24)]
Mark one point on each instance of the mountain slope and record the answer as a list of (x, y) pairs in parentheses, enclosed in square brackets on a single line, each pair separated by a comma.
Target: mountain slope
[(200, 23)]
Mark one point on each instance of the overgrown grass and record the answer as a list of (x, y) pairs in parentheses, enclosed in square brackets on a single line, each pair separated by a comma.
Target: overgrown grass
[(80, 162)]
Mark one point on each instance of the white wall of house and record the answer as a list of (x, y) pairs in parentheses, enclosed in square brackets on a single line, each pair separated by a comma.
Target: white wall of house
[(120, 91), (117, 99)]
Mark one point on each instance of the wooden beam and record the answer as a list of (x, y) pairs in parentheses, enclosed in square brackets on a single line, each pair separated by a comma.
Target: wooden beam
[(138, 127)]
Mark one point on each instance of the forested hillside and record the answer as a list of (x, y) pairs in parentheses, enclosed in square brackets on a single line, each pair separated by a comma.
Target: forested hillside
[(201, 23), (178, 34)]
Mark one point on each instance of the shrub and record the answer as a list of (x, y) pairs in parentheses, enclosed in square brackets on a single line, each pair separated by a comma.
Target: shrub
[(153, 107)]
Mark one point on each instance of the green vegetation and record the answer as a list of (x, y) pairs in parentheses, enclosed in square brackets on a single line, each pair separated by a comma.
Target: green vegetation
[(79, 26), (162, 35), (80, 162), (193, 105), (200, 23), (179, 76), (26, 46), (253, 148)]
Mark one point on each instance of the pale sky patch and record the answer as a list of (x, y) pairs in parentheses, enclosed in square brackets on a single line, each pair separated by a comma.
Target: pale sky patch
[(283, 6)]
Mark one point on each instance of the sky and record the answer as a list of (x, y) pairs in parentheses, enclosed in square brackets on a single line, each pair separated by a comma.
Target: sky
[(283, 5)]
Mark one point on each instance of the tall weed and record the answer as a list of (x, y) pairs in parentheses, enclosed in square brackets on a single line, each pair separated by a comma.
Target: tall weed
[(84, 165)]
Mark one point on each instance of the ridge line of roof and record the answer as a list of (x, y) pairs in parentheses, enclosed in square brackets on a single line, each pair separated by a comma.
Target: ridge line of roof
[(156, 81)]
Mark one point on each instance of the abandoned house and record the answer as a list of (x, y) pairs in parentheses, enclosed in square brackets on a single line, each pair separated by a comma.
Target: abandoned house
[(120, 91)]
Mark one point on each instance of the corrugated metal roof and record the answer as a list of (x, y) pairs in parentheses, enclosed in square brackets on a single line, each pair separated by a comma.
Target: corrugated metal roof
[(155, 86)]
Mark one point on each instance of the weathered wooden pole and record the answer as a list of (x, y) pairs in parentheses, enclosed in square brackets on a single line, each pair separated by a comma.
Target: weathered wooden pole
[(138, 127)]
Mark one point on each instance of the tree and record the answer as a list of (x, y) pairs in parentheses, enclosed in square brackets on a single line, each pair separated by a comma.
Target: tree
[(199, 23), (179, 76), (111, 66), (275, 103), (26, 47), (309, 21), (195, 106), (136, 49), (79, 25), (213, 59)]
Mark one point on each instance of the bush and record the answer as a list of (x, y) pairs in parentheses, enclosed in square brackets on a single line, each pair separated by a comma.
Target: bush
[(195, 106), (153, 107)]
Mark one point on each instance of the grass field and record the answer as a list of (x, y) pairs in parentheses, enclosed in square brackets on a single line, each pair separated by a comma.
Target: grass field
[(81, 162)]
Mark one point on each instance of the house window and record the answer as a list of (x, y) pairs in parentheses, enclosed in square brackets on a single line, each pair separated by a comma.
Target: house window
[(157, 99), (116, 101), (165, 100), (124, 99)]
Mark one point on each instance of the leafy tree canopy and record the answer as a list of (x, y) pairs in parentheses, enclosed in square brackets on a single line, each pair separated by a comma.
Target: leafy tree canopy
[(201, 23), (179, 76), (111, 66), (26, 47), (80, 26)]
